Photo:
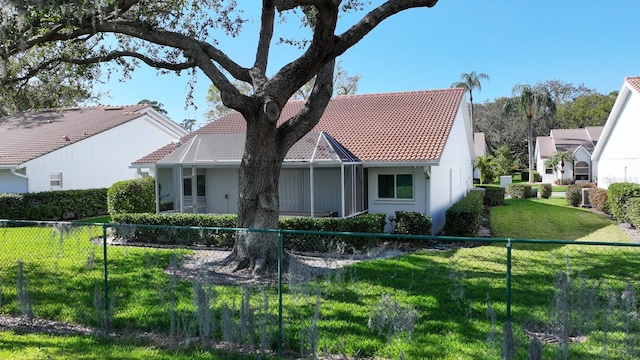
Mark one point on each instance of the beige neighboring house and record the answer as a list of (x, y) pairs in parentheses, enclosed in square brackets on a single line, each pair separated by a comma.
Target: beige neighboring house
[(617, 155), (578, 142), (480, 149), (78, 148), (377, 153)]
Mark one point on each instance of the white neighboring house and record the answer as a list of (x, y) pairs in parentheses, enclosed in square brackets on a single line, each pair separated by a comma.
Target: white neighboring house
[(410, 151), (617, 155), (78, 148), (577, 142), (480, 148)]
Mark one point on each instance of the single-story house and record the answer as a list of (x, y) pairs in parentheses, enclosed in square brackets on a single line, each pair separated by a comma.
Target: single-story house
[(480, 149), (617, 155), (410, 151), (577, 142), (78, 148)]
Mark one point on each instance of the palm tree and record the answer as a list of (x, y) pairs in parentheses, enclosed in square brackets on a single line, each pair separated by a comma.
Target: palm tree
[(469, 82), (529, 100), (486, 165), (559, 158)]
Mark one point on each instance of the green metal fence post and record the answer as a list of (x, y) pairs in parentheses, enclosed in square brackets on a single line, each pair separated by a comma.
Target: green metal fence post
[(106, 281), (508, 280), (280, 328)]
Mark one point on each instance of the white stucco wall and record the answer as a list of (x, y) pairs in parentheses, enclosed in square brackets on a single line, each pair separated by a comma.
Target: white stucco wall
[(10, 183), (452, 179), (100, 160), (390, 206), (620, 157)]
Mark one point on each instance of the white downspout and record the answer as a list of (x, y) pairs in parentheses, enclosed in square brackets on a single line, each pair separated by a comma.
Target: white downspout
[(342, 188)]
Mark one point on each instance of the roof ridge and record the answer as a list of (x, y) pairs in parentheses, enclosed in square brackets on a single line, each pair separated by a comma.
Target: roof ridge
[(399, 93)]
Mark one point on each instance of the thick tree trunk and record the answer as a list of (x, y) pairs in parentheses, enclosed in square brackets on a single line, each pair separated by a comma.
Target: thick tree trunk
[(258, 202)]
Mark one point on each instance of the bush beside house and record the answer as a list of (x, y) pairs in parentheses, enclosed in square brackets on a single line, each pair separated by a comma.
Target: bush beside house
[(545, 191), (54, 205), (493, 196), (132, 196), (617, 196), (464, 218), (598, 200), (519, 190)]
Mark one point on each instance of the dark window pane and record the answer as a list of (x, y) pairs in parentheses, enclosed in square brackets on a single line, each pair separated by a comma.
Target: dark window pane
[(201, 179), (385, 186), (186, 184), (405, 186)]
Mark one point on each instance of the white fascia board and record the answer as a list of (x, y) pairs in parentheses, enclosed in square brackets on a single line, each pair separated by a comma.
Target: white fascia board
[(614, 115), (164, 122)]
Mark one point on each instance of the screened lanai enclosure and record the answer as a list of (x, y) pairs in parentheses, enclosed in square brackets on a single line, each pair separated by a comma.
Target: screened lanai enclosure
[(319, 177)]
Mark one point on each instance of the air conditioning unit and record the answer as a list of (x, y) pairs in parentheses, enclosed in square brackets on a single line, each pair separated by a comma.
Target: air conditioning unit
[(585, 198)]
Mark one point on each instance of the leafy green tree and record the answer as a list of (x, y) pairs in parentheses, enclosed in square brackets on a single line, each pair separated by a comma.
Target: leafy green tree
[(155, 105), (176, 36), (586, 110), (502, 129), (188, 124), (487, 166), (504, 161), (528, 101), (469, 82)]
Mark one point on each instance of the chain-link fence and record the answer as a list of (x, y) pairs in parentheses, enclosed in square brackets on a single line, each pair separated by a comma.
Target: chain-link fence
[(365, 295)]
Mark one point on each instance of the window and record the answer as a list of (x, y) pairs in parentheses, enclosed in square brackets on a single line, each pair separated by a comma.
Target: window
[(55, 180), (395, 186), (548, 170), (200, 185), (581, 171)]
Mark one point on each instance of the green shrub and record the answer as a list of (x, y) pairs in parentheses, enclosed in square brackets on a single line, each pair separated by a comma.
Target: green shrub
[(536, 176), (598, 199), (464, 218), (411, 223), (545, 191), (132, 196), (519, 190), (493, 196), (166, 231), (633, 211), (617, 196), (54, 205), (574, 195)]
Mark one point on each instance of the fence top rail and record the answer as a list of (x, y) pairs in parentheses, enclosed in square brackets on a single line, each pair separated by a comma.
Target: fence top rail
[(332, 233)]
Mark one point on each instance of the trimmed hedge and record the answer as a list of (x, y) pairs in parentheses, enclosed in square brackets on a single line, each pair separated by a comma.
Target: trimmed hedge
[(132, 196), (633, 212), (545, 191), (617, 196), (411, 223), (598, 199), (519, 190), (164, 231), (464, 218), (493, 196), (54, 205), (574, 193)]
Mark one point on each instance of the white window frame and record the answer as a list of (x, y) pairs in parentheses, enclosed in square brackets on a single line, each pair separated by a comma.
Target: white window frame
[(395, 187), (55, 180)]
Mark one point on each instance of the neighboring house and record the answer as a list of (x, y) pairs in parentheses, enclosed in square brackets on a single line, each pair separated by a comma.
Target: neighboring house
[(409, 151), (78, 148), (480, 149), (577, 142), (617, 155)]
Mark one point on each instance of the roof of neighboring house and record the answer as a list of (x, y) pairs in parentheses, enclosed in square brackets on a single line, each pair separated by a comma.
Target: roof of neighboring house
[(569, 140), (29, 135), (479, 144), (404, 126), (318, 147)]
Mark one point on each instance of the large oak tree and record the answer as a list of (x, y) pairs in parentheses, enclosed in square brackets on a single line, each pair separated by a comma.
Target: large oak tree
[(181, 35)]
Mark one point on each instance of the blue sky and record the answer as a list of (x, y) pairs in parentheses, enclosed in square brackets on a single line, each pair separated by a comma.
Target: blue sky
[(596, 43)]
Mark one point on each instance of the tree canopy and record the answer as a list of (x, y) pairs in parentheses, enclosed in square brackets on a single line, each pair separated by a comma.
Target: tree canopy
[(74, 36)]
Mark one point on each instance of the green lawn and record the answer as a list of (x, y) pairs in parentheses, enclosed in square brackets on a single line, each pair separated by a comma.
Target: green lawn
[(455, 298)]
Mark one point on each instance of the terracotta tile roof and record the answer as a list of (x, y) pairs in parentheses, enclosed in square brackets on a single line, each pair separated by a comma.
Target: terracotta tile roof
[(29, 135), (404, 126), (634, 83)]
